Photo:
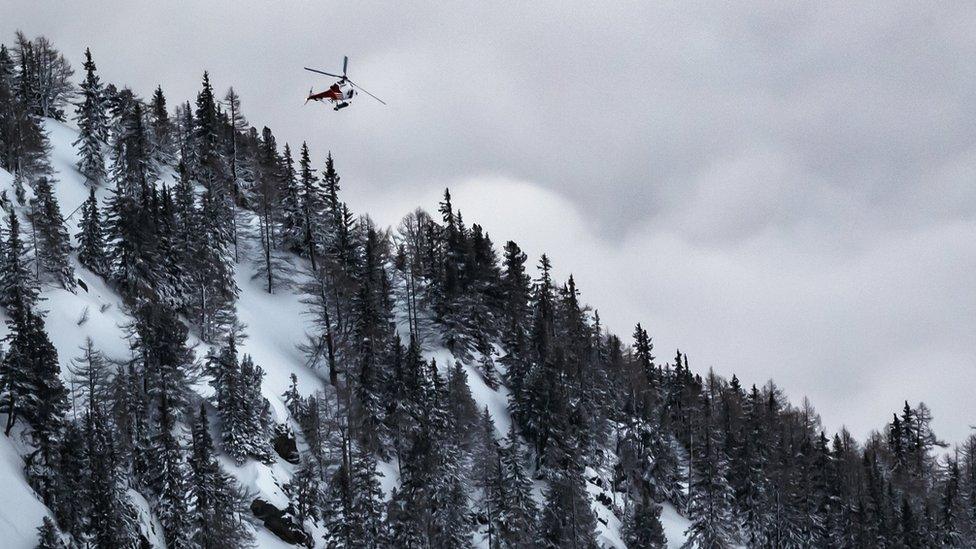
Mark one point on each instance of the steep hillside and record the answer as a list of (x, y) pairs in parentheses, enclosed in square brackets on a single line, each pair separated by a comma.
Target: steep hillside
[(275, 327)]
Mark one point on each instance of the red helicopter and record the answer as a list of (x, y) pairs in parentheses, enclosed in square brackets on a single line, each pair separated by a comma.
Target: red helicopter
[(340, 93)]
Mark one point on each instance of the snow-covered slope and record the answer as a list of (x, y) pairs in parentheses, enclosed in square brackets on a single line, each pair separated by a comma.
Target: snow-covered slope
[(275, 325)]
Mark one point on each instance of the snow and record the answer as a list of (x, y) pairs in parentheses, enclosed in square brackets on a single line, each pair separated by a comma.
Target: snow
[(674, 525), (274, 325), (389, 472), (21, 512), (148, 524)]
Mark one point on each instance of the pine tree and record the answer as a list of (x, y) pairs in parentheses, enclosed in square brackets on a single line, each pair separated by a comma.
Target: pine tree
[(47, 535), (91, 373), (161, 132), (241, 407), (214, 289), (91, 238), (238, 125), (304, 491), (366, 502), (170, 481), (70, 479), (950, 518), (8, 104), (45, 78), (130, 415), (255, 411), (111, 518), (271, 172), (333, 206), (518, 514), (18, 287), (31, 382), (310, 207), (92, 125), (487, 476), (752, 492), (25, 143), (207, 161), (567, 518), (125, 252), (710, 503), (132, 167), (218, 503), (52, 242), (642, 525), (292, 218), (167, 363)]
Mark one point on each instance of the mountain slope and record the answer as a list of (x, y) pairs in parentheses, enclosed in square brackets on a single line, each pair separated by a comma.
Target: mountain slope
[(275, 327)]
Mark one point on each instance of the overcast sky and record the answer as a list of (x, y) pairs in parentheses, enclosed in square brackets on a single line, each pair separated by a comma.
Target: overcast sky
[(779, 190)]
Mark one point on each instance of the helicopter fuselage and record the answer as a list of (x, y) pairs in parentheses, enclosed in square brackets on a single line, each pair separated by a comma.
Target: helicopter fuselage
[(339, 93)]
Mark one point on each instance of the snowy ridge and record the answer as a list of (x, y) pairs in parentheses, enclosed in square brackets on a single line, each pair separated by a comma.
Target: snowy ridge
[(274, 329)]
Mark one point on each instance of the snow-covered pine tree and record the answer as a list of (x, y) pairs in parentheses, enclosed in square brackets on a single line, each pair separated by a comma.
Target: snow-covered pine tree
[(167, 363), (132, 166), (273, 170), (366, 501), (18, 286), (235, 152), (310, 204), (519, 510), (208, 165), (169, 480), (45, 76), (92, 122), (567, 517), (950, 507), (255, 411), (91, 237), (51, 237), (751, 463), (333, 206), (91, 375), (487, 477), (7, 109), (30, 377), (161, 138), (325, 308), (711, 501), (111, 517), (48, 536), (24, 139), (218, 511), (642, 525), (130, 416), (70, 479), (242, 410), (213, 289), (486, 361), (305, 492), (32, 390), (289, 207)]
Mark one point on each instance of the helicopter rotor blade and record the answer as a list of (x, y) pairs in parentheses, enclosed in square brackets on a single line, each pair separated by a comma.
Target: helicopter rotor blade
[(345, 63), (323, 72), (364, 91)]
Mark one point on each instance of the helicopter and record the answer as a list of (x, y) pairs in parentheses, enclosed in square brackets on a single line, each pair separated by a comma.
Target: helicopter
[(340, 93)]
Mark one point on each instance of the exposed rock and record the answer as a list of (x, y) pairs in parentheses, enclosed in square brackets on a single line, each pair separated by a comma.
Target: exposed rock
[(285, 444), (281, 523)]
